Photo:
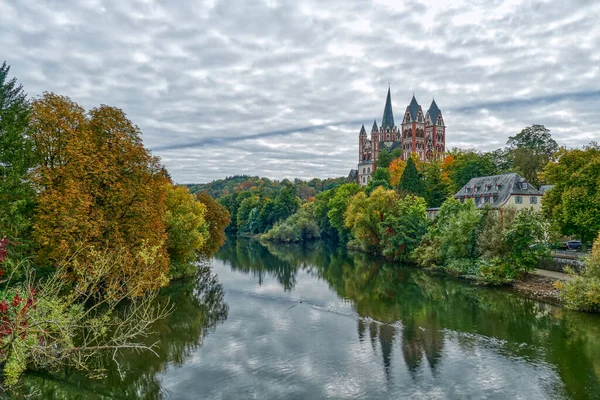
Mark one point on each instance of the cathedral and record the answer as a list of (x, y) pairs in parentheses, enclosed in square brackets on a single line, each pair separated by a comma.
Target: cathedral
[(421, 134)]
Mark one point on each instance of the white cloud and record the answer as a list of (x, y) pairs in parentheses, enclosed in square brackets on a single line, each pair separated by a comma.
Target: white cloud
[(201, 75)]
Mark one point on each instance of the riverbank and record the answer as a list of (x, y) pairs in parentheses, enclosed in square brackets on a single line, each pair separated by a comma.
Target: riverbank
[(538, 287)]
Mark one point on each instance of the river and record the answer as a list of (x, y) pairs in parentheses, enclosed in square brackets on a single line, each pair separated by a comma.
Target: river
[(314, 322)]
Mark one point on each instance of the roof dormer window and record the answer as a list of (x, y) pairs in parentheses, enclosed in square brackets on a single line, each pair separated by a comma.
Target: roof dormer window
[(524, 185)]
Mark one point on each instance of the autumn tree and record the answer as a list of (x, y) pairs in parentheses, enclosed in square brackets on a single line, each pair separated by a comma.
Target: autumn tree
[(98, 188), (17, 195), (217, 219), (396, 169), (531, 150)]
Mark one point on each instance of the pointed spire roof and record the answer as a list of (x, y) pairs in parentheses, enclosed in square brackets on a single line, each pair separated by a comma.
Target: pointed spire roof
[(374, 129), (413, 107), (433, 112), (388, 115), (363, 132)]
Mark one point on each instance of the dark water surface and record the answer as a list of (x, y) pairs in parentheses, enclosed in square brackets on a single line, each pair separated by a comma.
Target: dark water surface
[(313, 322)]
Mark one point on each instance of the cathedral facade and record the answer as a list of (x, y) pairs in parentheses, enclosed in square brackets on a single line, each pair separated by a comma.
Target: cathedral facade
[(420, 134)]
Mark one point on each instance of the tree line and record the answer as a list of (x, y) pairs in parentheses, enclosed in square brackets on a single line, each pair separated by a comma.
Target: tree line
[(388, 215), (90, 222)]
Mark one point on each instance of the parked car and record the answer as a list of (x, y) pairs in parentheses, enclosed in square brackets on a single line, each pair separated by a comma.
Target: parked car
[(574, 244)]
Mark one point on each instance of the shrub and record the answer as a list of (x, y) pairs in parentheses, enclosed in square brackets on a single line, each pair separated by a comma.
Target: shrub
[(298, 227), (583, 292)]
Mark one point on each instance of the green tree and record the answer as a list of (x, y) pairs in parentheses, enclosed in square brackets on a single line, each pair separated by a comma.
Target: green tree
[(403, 227), (321, 209), (574, 202), (385, 157), (437, 188), (411, 181), (468, 164), (17, 196), (582, 293), (243, 212), (187, 230), (338, 206), (286, 203), (381, 177), (531, 150)]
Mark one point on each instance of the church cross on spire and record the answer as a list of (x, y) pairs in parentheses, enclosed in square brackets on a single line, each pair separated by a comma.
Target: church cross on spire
[(388, 115)]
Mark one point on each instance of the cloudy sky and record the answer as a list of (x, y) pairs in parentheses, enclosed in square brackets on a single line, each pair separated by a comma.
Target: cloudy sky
[(280, 88)]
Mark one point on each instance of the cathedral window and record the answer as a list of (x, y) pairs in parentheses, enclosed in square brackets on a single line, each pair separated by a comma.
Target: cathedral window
[(388, 136), (368, 170)]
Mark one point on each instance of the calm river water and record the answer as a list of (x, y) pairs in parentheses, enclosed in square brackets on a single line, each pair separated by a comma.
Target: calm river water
[(314, 322)]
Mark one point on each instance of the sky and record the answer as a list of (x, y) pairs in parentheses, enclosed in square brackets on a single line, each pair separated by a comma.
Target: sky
[(280, 88)]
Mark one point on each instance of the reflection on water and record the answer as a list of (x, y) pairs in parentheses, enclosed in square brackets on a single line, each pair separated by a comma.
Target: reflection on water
[(312, 321), (198, 307)]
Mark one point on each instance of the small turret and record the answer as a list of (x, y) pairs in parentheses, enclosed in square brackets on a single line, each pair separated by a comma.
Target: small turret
[(375, 129), (363, 132)]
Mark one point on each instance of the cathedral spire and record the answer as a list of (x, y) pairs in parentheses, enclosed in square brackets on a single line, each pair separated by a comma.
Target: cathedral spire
[(388, 116), (433, 112), (363, 132), (375, 129)]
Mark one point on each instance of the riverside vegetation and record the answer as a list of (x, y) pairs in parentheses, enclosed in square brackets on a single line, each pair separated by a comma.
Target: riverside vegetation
[(91, 226), (388, 216)]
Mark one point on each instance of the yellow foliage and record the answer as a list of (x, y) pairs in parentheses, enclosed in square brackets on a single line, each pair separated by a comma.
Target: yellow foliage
[(396, 169), (99, 188)]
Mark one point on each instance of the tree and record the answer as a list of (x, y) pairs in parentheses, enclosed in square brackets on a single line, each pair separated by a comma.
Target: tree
[(321, 209), (411, 181), (463, 165), (531, 150), (364, 216), (99, 188), (437, 187), (52, 324), (338, 206), (385, 157), (380, 178), (403, 227), (187, 230), (243, 212), (285, 204), (396, 169), (217, 218), (17, 196), (573, 203), (582, 293)]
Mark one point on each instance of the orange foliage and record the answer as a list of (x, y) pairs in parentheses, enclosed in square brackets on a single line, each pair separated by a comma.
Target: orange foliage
[(396, 169), (99, 188)]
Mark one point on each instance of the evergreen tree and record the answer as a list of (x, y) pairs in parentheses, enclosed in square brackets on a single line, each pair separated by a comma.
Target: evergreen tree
[(411, 181), (16, 159), (437, 189)]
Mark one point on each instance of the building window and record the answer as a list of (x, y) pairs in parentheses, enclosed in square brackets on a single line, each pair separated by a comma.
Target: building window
[(363, 179), (518, 200), (368, 170), (533, 200), (388, 136), (524, 185), (364, 170)]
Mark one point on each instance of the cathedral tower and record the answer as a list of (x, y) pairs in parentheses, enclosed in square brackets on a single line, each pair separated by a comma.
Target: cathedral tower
[(421, 134)]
